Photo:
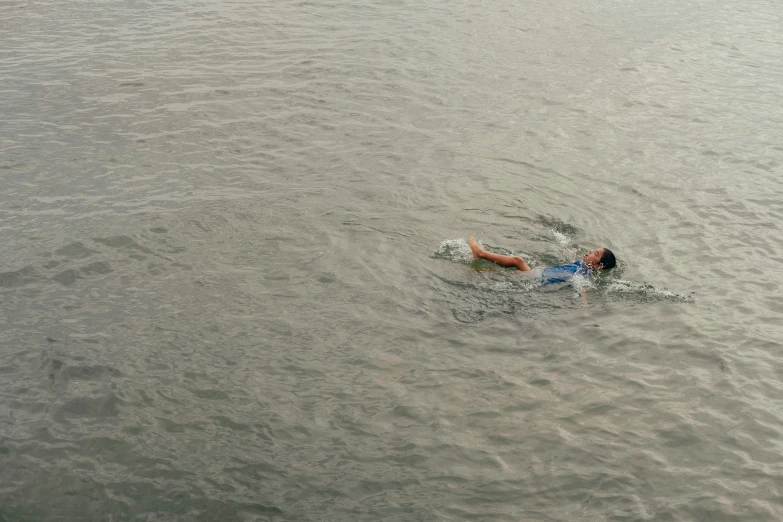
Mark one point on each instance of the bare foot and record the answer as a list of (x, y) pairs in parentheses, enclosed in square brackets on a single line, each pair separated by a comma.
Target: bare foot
[(475, 248)]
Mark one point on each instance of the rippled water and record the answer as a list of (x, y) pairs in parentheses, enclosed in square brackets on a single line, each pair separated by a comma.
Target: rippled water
[(235, 284)]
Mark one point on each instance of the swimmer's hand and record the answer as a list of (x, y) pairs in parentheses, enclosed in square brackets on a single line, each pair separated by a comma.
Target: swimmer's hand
[(584, 295)]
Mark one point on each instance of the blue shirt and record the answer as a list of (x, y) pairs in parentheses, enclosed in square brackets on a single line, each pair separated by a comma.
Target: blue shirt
[(562, 273)]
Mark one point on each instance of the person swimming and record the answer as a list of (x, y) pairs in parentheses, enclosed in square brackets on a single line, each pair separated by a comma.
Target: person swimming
[(599, 259)]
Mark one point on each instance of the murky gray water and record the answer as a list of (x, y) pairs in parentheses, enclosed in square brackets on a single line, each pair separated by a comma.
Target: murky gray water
[(235, 285)]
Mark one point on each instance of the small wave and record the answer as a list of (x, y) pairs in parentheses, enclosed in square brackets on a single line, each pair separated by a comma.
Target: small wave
[(566, 250), (582, 281), (561, 238), (646, 290), (454, 250)]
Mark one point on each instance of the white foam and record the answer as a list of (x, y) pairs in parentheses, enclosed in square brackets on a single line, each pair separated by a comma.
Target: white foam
[(580, 281), (561, 238), (455, 250)]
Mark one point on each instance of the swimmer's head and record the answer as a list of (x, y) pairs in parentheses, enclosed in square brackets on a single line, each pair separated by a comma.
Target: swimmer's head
[(607, 260), (599, 259)]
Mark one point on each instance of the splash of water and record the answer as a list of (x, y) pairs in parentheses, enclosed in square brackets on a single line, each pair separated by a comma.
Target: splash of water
[(454, 250), (561, 238)]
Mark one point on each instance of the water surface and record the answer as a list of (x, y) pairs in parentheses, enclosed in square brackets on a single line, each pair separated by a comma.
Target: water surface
[(234, 283)]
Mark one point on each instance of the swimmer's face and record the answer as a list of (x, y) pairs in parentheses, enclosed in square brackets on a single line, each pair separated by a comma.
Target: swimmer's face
[(593, 258)]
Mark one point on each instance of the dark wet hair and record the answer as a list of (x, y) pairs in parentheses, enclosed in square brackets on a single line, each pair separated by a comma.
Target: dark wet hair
[(607, 260)]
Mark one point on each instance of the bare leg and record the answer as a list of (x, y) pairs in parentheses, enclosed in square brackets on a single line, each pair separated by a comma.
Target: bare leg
[(498, 259)]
